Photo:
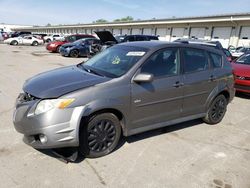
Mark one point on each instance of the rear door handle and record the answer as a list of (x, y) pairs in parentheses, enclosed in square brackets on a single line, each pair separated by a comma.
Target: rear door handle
[(178, 84)]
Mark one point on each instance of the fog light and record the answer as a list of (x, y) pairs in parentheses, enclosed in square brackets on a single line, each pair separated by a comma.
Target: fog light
[(43, 139)]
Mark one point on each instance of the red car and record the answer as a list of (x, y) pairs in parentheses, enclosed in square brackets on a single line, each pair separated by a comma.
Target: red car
[(55, 45), (241, 68)]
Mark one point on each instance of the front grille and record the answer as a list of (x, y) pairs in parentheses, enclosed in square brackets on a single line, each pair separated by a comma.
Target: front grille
[(25, 97), (243, 87)]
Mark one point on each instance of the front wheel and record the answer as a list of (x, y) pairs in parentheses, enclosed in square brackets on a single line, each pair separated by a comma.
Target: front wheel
[(74, 53), (100, 136), (216, 110)]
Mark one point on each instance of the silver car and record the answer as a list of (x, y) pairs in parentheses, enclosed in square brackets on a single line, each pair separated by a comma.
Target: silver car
[(127, 89)]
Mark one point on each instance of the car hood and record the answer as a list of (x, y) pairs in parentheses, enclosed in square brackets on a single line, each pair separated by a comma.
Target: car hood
[(106, 36), (58, 42), (55, 83), (241, 69)]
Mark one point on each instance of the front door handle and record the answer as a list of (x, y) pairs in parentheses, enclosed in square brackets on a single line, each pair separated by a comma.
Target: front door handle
[(178, 84), (212, 78)]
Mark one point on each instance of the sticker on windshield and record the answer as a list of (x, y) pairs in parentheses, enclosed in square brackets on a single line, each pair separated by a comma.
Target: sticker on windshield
[(116, 60), (135, 53)]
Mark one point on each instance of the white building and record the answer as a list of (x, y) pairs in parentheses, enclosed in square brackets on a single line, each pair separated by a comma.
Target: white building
[(230, 29), (11, 27)]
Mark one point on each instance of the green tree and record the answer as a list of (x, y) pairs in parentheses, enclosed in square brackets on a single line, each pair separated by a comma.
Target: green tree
[(101, 21), (125, 19)]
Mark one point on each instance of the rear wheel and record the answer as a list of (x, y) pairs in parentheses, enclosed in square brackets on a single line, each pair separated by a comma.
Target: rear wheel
[(100, 136), (216, 110), (35, 43), (48, 40), (74, 53), (14, 42)]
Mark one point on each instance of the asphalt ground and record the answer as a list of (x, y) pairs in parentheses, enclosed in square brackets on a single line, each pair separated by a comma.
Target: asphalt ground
[(189, 155)]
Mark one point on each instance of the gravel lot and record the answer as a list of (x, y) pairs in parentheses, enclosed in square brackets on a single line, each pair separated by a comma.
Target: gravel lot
[(189, 155)]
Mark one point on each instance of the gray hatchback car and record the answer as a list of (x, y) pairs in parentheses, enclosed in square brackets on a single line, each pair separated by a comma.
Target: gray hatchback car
[(127, 89)]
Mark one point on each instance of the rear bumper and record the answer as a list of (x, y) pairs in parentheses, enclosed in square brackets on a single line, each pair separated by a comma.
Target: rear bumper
[(53, 129)]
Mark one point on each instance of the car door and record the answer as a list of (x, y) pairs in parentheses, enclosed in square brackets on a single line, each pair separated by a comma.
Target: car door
[(160, 100), (199, 80), (27, 40)]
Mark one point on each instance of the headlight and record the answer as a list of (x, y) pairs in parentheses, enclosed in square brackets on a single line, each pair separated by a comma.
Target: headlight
[(46, 105)]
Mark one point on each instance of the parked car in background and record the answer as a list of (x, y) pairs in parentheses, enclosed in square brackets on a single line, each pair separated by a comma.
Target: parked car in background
[(42, 36), (82, 47), (228, 54), (18, 33), (127, 89), (4, 35), (240, 52), (55, 45), (241, 70), (132, 38), (25, 40), (50, 38), (108, 39)]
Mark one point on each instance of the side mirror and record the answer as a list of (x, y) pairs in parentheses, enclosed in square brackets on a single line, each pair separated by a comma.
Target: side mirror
[(143, 77)]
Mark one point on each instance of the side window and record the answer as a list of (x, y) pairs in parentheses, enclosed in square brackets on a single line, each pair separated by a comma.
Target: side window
[(216, 60), (163, 63), (129, 39), (140, 38), (194, 60)]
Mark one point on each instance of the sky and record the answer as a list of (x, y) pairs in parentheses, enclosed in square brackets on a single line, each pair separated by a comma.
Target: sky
[(42, 12)]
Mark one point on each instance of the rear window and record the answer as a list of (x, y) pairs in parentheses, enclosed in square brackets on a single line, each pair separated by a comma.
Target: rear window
[(194, 60), (216, 60)]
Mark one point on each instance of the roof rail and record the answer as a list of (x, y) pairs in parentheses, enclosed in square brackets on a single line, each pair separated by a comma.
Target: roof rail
[(215, 44)]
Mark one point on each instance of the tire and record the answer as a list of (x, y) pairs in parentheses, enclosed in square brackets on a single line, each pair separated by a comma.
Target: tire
[(48, 40), (216, 111), (14, 42), (57, 49), (35, 43), (100, 135), (74, 53)]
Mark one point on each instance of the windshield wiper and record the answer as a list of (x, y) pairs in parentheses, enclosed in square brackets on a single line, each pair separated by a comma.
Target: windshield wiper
[(89, 70)]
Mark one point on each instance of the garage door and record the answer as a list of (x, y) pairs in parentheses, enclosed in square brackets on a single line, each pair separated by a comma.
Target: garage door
[(197, 33), (147, 31), (177, 33), (125, 32), (161, 32), (244, 37), (116, 31), (136, 31), (222, 34)]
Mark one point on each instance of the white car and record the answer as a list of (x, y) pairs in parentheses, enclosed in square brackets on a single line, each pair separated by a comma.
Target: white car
[(26, 40), (51, 38)]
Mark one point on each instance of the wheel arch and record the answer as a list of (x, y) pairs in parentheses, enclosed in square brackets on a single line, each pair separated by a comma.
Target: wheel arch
[(216, 92), (86, 116)]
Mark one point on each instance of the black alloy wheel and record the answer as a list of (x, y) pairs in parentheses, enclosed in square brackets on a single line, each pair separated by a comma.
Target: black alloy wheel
[(216, 110), (100, 136), (74, 53)]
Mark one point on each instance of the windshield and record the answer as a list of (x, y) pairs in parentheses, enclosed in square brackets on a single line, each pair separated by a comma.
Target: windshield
[(245, 59), (79, 41), (115, 61)]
